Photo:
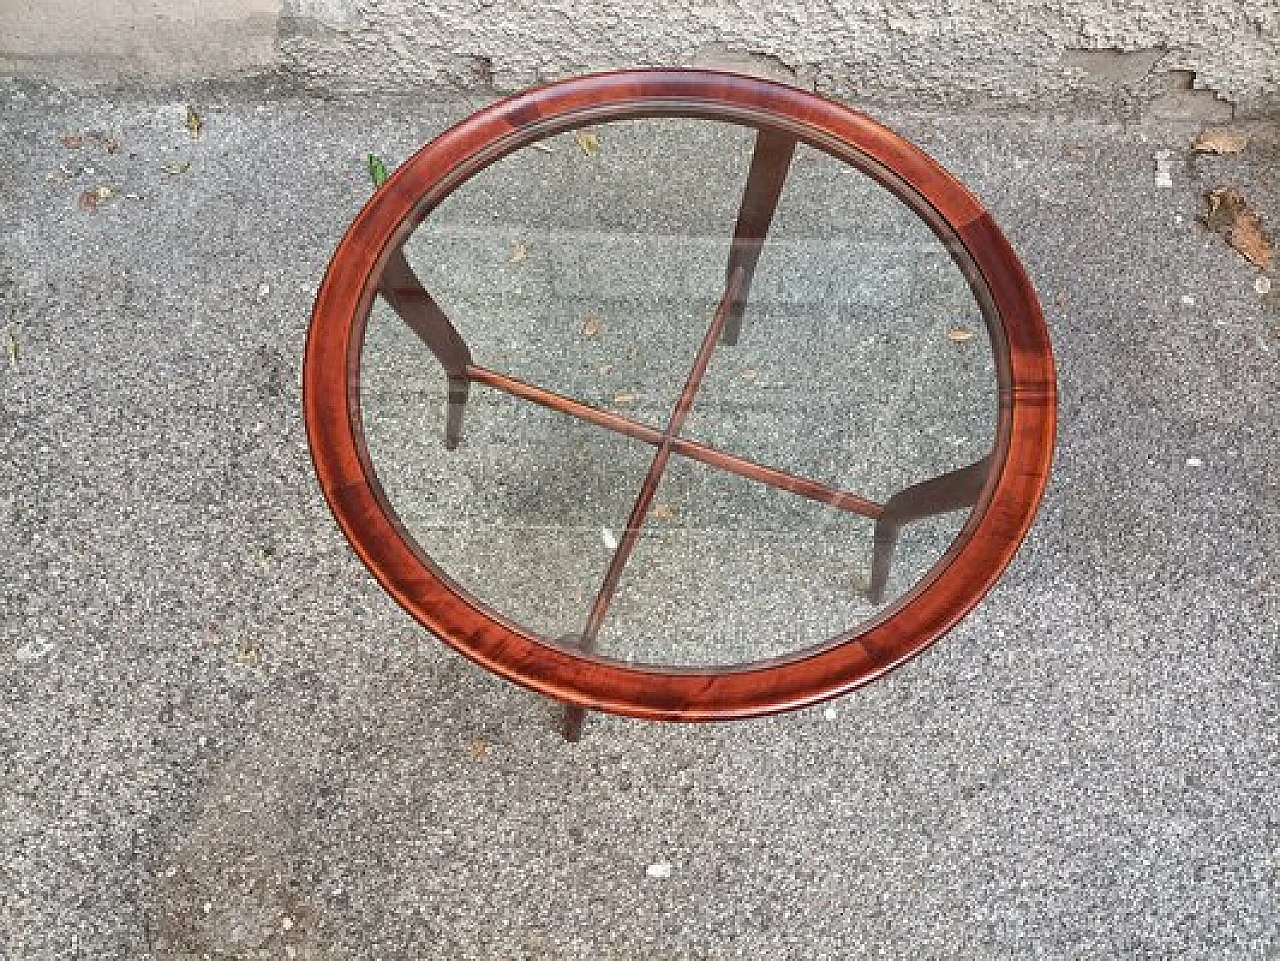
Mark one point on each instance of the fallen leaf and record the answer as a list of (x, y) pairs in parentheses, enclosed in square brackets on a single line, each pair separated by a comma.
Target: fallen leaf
[(662, 512), (195, 122), (377, 170), (1227, 213), (1220, 140), (519, 252), (959, 334), (11, 348), (175, 167), (625, 397), (111, 144), (478, 748), (72, 141), (587, 141), (592, 326), (94, 196)]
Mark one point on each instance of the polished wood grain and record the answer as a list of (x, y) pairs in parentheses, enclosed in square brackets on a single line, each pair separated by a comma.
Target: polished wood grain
[(1005, 506)]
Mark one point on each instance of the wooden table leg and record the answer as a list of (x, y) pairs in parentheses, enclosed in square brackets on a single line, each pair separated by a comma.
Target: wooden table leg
[(769, 165), (938, 495), (401, 288)]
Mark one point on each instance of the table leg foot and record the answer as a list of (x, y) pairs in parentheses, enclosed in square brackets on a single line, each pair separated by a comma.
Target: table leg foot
[(574, 717), (459, 388)]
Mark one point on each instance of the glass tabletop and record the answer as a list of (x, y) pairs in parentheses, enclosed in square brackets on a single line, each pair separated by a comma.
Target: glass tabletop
[(629, 479)]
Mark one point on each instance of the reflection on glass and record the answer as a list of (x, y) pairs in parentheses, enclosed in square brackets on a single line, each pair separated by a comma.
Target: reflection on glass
[(862, 367)]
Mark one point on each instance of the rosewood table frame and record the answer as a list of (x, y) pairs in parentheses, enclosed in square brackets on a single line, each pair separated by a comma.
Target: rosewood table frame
[(782, 117)]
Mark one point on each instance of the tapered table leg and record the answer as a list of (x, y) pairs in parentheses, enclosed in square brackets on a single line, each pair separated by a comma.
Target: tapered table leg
[(938, 495), (769, 165), (402, 289)]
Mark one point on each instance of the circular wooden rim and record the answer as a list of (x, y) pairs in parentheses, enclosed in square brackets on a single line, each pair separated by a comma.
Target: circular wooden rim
[(972, 565)]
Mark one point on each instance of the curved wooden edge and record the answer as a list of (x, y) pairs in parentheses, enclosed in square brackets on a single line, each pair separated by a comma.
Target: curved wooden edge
[(956, 583)]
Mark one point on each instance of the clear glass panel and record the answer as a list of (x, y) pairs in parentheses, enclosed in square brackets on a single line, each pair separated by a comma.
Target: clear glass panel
[(593, 269), (520, 515), (729, 570)]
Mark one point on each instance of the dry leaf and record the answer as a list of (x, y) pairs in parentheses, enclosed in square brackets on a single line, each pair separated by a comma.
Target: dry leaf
[(478, 748), (175, 167), (625, 397), (959, 334), (1227, 213), (72, 141), (588, 141), (111, 144), (1220, 140), (11, 348), (662, 512), (91, 198), (592, 326), (519, 252), (195, 123)]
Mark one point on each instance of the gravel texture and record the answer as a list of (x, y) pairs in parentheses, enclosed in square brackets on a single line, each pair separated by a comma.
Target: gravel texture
[(220, 739)]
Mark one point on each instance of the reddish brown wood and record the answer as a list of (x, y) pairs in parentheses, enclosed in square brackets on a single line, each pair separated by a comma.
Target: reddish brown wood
[(733, 294), (565, 405), (952, 491), (770, 162), (1004, 509), (772, 476), (402, 289)]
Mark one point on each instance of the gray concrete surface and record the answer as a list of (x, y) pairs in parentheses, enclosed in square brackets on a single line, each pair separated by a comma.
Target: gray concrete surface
[(221, 740), (1210, 56)]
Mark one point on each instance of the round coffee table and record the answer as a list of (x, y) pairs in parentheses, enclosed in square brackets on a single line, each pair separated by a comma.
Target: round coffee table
[(722, 347)]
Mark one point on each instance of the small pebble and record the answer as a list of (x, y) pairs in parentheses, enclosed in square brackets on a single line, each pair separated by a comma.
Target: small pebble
[(1262, 285), (830, 713), (610, 540), (263, 290), (1187, 300), (1194, 462), (659, 869), (286, 924), (34, 649), (959, 334)]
